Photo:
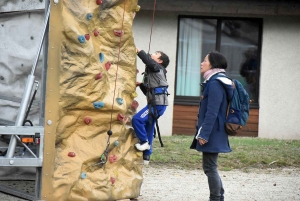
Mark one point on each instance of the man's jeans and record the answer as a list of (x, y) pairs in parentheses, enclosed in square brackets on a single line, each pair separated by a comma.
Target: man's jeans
[(210, 167)]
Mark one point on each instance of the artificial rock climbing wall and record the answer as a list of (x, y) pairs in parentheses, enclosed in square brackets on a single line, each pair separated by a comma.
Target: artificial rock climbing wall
[(90, 102)]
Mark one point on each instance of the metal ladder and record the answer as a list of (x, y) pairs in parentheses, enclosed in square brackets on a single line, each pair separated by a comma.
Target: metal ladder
[(16, 131)]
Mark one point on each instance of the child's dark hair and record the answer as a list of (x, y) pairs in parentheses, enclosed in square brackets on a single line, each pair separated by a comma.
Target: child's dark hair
[(217, 60), (164, 58)]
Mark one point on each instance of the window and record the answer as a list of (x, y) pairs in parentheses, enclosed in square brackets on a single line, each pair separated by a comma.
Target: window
[(239, 40)]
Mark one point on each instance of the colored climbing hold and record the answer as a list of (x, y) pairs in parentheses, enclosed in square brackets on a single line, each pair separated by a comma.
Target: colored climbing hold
[(107, 65), (83, 175), (116, 143), (71, 154), (134, 95), (87, 36), (96, 33), (89, 16), (109, 133), (137, 9), (87, 120), (112, 180), (121, 117), (116, 173), (101, 57), (98, 76), (119, 101), (137, 71), (113, 158), (98, 105), (81, 39), (119, 33), (99, 2), (134, 104)]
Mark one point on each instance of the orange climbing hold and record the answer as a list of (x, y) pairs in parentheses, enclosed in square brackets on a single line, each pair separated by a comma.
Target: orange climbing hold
[(87, 120), (96, 33), (113, 180), (121, 117), (119, 33), (99, 2), (98, 76), (107, 65), (87, 36), (113, 158), (71, 154)]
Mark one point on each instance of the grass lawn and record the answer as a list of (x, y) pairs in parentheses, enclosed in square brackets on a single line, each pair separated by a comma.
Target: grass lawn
[(246, 153)]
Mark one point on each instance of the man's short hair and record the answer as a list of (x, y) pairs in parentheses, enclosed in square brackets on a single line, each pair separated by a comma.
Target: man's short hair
[(164, 58)]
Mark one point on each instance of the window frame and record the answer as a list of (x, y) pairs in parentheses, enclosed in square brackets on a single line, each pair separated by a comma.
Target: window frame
[(194, 100)]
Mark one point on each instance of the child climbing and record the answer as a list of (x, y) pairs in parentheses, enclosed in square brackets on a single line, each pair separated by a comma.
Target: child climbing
[(154, 86)]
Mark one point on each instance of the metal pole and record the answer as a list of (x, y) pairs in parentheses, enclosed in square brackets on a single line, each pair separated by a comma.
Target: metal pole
[(42, 39), (26, 95)]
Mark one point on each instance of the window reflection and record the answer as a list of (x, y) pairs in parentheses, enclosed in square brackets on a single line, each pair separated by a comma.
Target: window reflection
[(237, 39), (239, 44)]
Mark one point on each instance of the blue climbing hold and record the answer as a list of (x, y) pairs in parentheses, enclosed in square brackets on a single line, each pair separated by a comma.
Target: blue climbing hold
[(116, 143), (83, 175), (81, 39), (120, 101), (101, 56), (98, 105), (89, 16)]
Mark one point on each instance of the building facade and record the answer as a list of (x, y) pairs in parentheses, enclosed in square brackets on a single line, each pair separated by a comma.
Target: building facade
[(260, 41)]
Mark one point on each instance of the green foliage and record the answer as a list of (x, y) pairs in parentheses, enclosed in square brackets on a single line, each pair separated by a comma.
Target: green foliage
[(246, 153)]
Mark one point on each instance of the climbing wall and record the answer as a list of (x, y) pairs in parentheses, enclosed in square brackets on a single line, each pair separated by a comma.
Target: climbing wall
[(90, 102)]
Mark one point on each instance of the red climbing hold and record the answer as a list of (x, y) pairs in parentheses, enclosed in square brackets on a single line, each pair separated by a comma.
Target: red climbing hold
[(113, 158), (107, 65), (87, 120), (134, 104), (112, 180), (98, 76), (119, 33), (121, 117), (96, 33), (71, 154), (99, 2), (87, 36), (137, 71)]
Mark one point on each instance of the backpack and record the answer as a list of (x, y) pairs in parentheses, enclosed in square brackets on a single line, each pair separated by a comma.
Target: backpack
[(238, 108)]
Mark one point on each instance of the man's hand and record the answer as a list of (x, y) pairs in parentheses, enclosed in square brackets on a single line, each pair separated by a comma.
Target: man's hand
[(137, 50), (138, 84)]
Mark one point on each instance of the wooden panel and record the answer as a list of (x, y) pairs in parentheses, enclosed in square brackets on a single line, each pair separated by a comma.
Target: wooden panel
[(187, 116), (185, 120), (184, 131), (253, 119), (186, 108)]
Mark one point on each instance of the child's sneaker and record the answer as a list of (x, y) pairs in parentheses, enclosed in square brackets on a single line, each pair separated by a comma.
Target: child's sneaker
[(142, 147)]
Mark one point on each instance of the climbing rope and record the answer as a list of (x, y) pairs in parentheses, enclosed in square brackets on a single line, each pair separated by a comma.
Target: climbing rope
[(153, 13), (104, 156)]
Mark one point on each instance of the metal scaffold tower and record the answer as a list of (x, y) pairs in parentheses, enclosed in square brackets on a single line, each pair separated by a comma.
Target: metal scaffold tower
[(30, 139)]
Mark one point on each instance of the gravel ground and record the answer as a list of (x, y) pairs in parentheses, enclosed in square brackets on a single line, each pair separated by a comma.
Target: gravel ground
[(162, 184)]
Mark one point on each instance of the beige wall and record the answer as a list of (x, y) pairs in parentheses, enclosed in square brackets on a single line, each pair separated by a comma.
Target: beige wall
[(164, 38), (279, 80)]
